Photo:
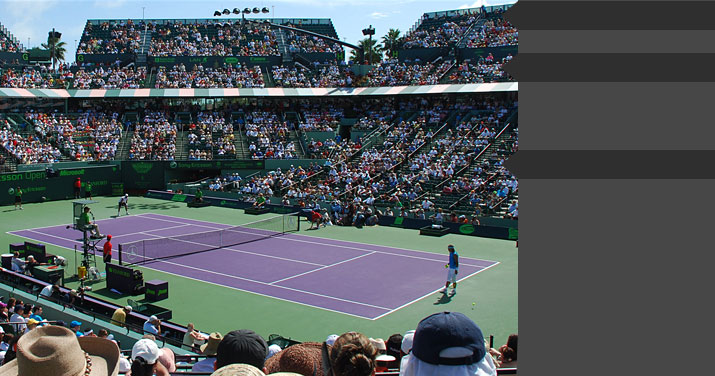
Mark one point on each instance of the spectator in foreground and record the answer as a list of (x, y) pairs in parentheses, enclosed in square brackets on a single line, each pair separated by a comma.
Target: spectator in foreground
[(406, 348), (448, 343), (145, 356), (506, 355), (303, 358), (242, 346), (352, 354), (209, 350), (238, 369), (88, 356)]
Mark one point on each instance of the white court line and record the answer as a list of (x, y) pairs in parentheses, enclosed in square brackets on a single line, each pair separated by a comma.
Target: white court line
[(344, 246), (81, 242), (324, 267), (428, 294), (251, 280), (69, 224), (230, 249), (280, 287), (337, 240), (236, 288)]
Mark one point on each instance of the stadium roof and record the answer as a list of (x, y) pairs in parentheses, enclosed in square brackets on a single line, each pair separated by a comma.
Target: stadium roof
[(267, 92)]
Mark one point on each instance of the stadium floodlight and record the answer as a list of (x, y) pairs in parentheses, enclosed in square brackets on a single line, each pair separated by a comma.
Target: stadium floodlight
[(265, 10), (369, 31), (247, 11), (217, 13), (256, 10), (236, 11), (226, 12)]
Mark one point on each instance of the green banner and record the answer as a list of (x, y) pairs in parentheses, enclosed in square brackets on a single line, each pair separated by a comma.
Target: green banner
[(143, 175), (37, 187)]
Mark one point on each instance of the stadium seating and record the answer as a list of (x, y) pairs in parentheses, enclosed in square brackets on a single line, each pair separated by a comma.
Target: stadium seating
[(30, 78), (109, 78), (213, 39), (200, 77), (8, 43)]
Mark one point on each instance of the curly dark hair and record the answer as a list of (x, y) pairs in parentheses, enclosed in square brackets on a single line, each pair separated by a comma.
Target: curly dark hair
[(352, 354)]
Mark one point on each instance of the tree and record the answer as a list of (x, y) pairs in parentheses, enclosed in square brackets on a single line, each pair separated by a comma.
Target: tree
[(391, 42), (369, 48), (57, 53)]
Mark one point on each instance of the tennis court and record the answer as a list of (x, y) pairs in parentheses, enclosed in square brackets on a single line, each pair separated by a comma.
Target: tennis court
[(362, 280)]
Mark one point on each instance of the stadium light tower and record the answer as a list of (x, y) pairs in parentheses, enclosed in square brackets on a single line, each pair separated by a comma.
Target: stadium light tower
[(370, 31), (243, 12)]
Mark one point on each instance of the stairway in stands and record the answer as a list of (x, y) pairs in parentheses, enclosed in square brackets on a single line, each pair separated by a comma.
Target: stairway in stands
[(182, 120), (500, 148), (145, 37), (294, 137), (239, 136), (283, 47)]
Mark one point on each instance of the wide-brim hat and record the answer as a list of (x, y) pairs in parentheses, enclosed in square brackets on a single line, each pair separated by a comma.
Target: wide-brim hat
[(55, 350), (209, 348), (238, 369)]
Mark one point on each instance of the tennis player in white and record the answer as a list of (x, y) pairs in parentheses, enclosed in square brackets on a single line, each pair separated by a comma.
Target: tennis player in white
[(123, 201)]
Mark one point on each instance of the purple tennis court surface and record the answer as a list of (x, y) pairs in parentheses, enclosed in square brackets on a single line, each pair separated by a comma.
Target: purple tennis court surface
[(363, 280)]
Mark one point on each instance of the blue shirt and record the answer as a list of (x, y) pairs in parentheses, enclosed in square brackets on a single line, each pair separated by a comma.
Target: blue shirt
[(150, 328), (36, 317), (453, 260)]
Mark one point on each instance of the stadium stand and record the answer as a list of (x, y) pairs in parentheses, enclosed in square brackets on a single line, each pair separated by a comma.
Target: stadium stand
[(211, 38), (110, 37), (438, 30), (8, 43), (31, 78), (200, 77), (417, 156), (154, 138), (108, 78)]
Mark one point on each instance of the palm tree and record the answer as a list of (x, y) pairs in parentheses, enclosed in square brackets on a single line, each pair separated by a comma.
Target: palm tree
[(369, 47), (57, 53), (391, 41)]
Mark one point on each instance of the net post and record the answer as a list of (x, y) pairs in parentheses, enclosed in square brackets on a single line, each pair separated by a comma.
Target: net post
[(297, 219), (120, 254)]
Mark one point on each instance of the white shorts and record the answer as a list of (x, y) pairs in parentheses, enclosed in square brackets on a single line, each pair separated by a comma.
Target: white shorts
[(452, 275)]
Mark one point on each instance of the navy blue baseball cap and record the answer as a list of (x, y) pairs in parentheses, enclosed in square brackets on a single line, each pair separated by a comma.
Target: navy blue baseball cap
[(447, 330)]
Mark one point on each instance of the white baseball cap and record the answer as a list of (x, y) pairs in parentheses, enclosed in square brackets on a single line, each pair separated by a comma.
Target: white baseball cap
[(147, 349)]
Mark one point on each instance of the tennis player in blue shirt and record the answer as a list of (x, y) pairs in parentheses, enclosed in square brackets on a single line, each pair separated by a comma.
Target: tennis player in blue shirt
[(453, 269)]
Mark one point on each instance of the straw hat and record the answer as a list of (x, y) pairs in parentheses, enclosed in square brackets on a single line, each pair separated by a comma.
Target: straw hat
[(55, 350), (238, 369), (210, 347)]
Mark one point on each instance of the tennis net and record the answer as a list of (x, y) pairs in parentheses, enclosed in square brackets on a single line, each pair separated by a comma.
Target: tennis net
[(144, 251)]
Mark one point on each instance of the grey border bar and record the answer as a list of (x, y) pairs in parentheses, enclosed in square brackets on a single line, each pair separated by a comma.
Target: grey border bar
[(612, 67), (616, 116), (617, 164), (617, 41), (612, 15)]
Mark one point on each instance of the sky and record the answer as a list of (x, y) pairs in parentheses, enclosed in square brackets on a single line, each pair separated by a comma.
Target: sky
[(34, 18)]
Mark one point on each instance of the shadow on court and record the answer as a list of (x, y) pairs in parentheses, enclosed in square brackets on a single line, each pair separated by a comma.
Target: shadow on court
[(444, 299)]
